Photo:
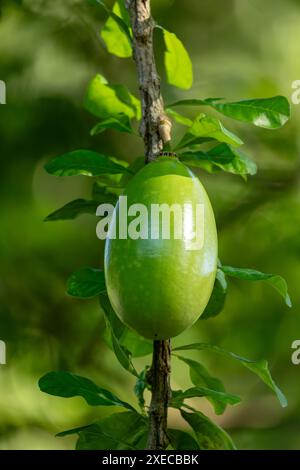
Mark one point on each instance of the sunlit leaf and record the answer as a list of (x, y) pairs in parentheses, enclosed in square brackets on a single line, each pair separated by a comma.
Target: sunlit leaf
[(122, 20), (222, 157), (180, 118), (277, 282), (116, 33), (240, 164), (270, 113), (119, 123), (206, 128), (178, 65), (104, 100)]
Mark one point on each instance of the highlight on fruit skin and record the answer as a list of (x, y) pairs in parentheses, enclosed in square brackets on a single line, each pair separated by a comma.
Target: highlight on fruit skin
[(159, 287)]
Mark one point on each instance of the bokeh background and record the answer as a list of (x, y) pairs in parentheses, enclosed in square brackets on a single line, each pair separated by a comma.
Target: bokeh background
[(49, 50)]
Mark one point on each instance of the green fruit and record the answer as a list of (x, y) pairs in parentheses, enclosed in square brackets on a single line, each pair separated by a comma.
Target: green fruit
[(160, 287)]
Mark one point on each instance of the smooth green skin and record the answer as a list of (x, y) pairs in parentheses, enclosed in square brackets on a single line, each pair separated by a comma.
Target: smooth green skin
[(157, 287)]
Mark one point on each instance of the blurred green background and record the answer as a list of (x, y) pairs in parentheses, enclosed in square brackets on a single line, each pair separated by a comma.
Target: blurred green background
[(49, 50)]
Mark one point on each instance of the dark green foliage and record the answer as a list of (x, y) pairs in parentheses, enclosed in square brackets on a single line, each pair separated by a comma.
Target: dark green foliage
[(181, 440), (73, 209), (199, 375), (86, 283), (84, 162), (277, 282), (217, 298), (67, 385), (119, 431), (209, 435), (260, 368)]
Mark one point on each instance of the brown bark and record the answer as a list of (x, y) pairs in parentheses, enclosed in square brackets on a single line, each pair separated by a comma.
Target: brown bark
[(155, 129), (159, 379), (154, 122)]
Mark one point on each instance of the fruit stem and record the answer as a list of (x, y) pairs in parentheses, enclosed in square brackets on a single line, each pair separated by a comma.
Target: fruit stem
[(155, 130)]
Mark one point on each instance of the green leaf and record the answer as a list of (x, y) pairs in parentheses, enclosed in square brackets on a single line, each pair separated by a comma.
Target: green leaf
[(134, 343), (209, 435), (181, 440), (140, 386), (178, 65), (67, 385), (178, 396), (86, 283), (134, 168), (260, 368), (73, 209), (119, 431), (69, 432), (104, 100), (129, 339), (206, 128), (83, 162), (185, 121), (122, 353), (104, 194), (106, 189), (217, 299), (119, 123), (194, 102), (240, 164), (122, 20), (199, 375), (115, 33), (277, 282), (269, 113), (221, 157)]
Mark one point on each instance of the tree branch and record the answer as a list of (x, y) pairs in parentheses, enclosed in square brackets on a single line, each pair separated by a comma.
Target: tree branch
[(156, 131), (159, 379), (155, 126)]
